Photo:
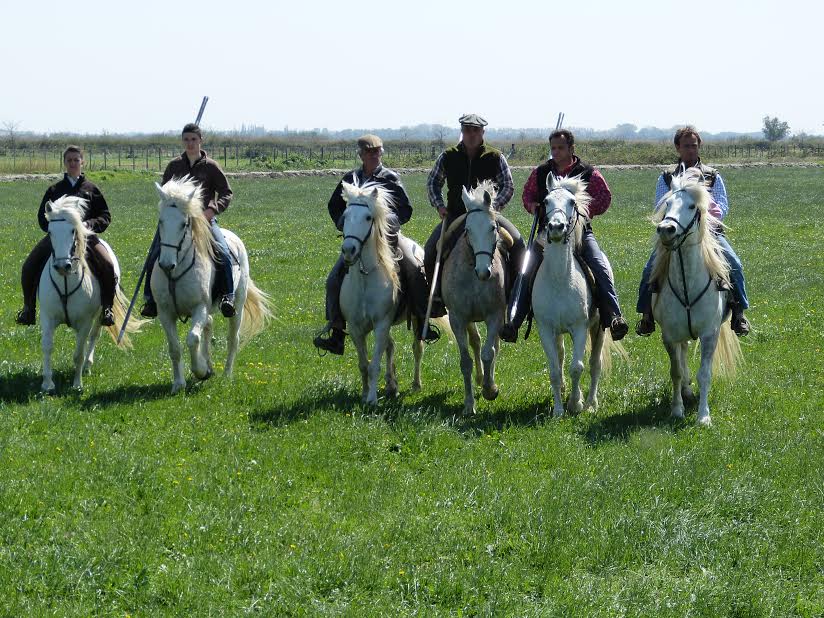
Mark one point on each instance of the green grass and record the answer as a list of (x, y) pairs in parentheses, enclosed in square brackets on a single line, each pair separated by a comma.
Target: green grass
[(280, 494)]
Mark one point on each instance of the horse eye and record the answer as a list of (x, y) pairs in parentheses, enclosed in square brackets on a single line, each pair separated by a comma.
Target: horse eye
[(692, 206), (368, 217)]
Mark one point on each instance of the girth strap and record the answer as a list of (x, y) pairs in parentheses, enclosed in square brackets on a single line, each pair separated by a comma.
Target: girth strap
[(65, 294)]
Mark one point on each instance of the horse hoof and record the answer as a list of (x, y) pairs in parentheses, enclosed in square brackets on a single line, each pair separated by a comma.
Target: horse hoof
[(392, 393), (416, 387), (491, 394), (209, 373), (469, 411), (704, 421), (176, 388), (678, 413), (557, 414), (48, 392)]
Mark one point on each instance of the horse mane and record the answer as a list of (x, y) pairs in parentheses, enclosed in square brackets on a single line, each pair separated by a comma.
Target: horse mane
[(710, 249), (186, 194), (578, 187), (477, 194), (73, 209), (380, 203)]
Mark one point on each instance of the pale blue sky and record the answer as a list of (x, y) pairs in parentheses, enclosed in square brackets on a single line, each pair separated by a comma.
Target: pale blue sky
[(721, 65)]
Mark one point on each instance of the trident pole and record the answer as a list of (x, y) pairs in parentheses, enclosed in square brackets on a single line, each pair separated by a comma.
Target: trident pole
[(149, 255), (434, 280), (519, 281)]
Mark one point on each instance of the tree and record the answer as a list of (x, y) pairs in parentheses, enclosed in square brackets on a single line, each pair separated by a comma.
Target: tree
[(10, 127), (775, 129)]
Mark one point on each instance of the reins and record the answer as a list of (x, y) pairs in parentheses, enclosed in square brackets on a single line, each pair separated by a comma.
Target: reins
[(361, 241), (466, 235), (65, 294), (172, 280)]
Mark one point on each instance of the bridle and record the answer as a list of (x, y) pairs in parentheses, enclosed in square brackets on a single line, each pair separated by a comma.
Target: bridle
[(570, 226), (361, 241), (477, 253), (172, 280), (65, 293)]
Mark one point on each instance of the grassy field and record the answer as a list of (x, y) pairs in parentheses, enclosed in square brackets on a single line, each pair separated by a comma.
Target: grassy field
[(279, 494)]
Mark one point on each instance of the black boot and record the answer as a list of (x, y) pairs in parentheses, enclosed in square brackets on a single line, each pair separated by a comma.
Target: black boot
[(26, 316), (333, 343), (432, 333), (149, 308), (227, 305), (107, 317), (645, 326), (508, 333), (618, 328), (738, 322)]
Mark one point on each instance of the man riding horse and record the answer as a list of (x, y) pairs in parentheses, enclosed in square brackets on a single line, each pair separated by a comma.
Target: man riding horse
[(464, 166), (688, 143), (216, 194), (96, 217), (413, 280), (564, 163)]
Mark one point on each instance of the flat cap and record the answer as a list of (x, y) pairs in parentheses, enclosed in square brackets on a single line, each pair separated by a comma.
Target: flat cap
[(472, 120), (370, 141)]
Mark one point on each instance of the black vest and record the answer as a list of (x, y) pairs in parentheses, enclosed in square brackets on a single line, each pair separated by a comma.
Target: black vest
[(545, 169), (709, 173), (463, 172)]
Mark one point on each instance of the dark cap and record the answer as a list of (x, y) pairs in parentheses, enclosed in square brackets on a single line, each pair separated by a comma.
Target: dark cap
[(192, 128), (472, 120), (370, 141)]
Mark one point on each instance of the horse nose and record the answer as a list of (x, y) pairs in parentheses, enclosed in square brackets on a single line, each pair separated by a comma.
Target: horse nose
[(348, 251), (666, 230), (167, 266), (62, 266), (484, 273), (556, 226)]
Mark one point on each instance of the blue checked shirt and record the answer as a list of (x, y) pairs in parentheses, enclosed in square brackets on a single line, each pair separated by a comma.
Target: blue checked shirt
[(718, 192)]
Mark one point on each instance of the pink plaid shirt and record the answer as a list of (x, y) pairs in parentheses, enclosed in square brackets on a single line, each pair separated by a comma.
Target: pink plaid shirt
[(597, 188)]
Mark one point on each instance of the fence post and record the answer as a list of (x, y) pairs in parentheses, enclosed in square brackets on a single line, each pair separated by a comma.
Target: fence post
[(147, 158), (237, 159), (224, 157), (158, 158)]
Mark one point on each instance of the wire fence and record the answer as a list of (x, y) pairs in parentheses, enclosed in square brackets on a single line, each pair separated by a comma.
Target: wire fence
[(251, 157)]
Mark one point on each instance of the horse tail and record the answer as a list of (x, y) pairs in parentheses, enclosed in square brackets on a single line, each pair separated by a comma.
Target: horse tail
[(608, 349), (257, 311), (119, 308), (728, 354)]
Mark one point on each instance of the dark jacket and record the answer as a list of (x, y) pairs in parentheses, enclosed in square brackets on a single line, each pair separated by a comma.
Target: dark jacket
[(462, 172), (709, 173), (578, 168), (208, 175), (97, 216), (384, 176)]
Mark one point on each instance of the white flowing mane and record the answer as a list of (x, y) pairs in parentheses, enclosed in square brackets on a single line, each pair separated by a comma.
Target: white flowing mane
[(578, 187), (477, 194), (380, 203), (185, 194), (694, 185), (72, 209)]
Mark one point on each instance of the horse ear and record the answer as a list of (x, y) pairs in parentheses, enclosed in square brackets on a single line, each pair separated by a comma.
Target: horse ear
[(550, 181), (160, 191), (192, 194), (487, 199), (375, 193), (49, 206), (465, 195)]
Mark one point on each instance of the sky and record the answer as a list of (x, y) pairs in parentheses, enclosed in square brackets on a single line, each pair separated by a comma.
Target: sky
[(144, 66)]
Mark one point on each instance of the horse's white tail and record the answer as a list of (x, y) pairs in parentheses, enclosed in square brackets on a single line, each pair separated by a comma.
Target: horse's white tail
[(257, 311), (609, 348), (728, 354), (119, 309)]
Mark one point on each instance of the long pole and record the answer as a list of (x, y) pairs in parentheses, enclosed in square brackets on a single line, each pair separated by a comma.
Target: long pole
[(519, 281), (149, 255), (434, 280)]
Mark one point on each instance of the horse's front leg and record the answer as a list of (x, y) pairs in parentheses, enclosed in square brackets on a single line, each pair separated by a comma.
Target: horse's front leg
[(475, 344), (674, 351), (417, 352), (549, 339), (460, 328), (687, 394), (708, 345), (374, 368), (233, 340), (391, 375), (597, 336), (47, 327), (169, 323), (194, 341), (93, 336), (208, 331), (488, 355), (81, 338), (575, 402), (359, 339)]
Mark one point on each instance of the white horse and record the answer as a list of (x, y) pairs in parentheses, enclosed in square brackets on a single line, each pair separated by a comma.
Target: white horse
[(473, 290), (182, 283), (689, 304), (70, 294), (562, 300), (370, 294)]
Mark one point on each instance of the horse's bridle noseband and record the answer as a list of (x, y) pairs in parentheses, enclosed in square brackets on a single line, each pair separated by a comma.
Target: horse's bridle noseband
[(361, 241), (681, 237), (172, 280), (66, 293), (477, 253), (570, 226)]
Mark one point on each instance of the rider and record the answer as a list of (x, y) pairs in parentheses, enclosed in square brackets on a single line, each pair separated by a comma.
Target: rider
[(216, 194), (465, 165), (370, 150), (96, 217), (564, 163), (688, 143)]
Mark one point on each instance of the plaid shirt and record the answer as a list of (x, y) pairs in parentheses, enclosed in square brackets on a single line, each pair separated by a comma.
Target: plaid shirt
[(597, 189), (719, 205), (503, 183)]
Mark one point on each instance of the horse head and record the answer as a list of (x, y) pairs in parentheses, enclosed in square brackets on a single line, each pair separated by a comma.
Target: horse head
[(481, 226), (67, 233), (181, 224), (682, 211), (566, 202)]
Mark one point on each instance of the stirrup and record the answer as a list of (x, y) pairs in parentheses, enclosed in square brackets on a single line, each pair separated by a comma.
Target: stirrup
[(149, 309), (107, 317), (645, 326), (433, 333), (227, 305), (508, 333), (26, 317)]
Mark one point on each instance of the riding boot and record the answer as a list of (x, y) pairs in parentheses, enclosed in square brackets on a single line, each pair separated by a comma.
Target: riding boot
[(739, 322), (334, 343), (335, 321), (646, 325), (223, 263), (103, 268), (509, 331), (429, 260), (30, 279), (149, 308)]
